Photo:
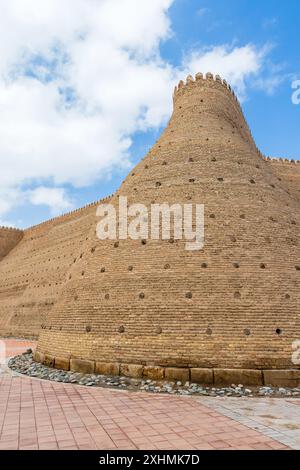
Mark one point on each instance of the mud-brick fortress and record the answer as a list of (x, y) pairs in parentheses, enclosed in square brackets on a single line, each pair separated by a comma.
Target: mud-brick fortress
[(229, 312)]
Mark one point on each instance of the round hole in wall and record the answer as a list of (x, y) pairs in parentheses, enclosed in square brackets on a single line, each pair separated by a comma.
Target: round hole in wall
[(247, 332), (278, 331), (121, 329), (142, 295), (106, 296), (130, 268), (88, 328), (189, 295)]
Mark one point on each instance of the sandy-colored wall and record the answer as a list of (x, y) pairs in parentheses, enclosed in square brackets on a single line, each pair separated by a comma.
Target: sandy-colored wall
[(288, 173), (234, 304), (9, 238), (34, 272)]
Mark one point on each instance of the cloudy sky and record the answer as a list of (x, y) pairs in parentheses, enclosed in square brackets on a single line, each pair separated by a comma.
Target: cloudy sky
[(86, 87)]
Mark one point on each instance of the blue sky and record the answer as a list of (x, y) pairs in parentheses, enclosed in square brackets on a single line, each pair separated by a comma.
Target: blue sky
[(81, 101)]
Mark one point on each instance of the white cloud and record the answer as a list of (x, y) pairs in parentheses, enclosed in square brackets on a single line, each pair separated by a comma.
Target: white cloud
[(55, 198), (236, 64), (77, 79)]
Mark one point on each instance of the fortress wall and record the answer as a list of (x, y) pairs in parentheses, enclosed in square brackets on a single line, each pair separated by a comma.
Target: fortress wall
[(34, 272), (287, 171), (234, 304), (9, 238)]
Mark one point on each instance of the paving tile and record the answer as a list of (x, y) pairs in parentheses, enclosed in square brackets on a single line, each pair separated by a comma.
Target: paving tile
[(37, 414)]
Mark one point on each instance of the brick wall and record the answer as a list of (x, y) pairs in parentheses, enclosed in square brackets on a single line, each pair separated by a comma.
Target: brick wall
[(9, 238), (234, 304), (34, 272)]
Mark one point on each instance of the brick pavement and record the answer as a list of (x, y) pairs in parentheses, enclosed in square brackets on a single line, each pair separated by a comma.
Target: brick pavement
[(37, 414)]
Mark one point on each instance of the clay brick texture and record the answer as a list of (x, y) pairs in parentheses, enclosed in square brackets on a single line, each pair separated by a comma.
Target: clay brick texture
[(242, 310)]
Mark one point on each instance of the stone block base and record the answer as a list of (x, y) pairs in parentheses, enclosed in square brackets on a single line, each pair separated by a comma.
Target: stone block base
[(154, 372), (82, 366), (62, 363), (282, 378), (238, 376), (107, 368), (219, 377), (131, 370), (202, 376), (174, 373)]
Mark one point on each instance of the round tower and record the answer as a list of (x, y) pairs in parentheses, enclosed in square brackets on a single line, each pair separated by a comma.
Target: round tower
[(133, 306)]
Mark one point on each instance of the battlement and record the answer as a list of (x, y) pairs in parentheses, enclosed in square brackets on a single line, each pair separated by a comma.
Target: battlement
[(282, 160), (9, 238), (14, 229), (200, 79), (62, 217)]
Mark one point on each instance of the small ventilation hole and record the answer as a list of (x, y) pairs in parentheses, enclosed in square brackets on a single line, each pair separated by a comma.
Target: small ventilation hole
[(130, 268), (143, 242), (236, 265), (247, 332), (262, 266), (252, 181), (142, 295), (106, 296), (102, 270), (116, 244), (88, 329), (121, 329), (204, 265), (278, 331), (189, 295), (220, 179)]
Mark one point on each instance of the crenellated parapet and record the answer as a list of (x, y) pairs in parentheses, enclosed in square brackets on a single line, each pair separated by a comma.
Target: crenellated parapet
[(74, 212), (199, 78), (14, 229), (282, 160), (9, 238)]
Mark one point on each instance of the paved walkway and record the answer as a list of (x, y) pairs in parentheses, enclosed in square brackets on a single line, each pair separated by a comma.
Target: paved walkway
[(37, 414)]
